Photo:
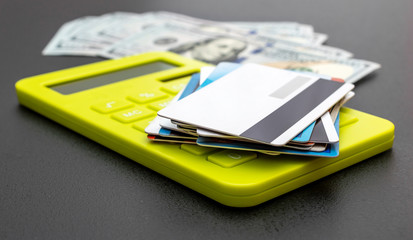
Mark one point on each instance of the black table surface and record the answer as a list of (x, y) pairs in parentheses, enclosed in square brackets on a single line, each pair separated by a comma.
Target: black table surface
[(56, 184)]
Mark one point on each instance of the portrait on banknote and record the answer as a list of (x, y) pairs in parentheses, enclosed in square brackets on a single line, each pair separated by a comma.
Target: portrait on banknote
[(212, 50)]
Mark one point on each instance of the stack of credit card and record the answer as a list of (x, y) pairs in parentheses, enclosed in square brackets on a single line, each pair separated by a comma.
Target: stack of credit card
[(256, 108)]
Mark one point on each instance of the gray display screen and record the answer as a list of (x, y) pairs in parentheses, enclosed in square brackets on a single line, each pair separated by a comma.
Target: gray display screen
[(111, 77)]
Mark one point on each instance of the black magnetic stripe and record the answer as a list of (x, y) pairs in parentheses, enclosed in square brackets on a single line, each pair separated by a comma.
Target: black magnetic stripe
[(277, 122), (319, 134)]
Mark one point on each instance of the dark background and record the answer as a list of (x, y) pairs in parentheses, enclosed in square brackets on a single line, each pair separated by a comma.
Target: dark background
[(56, 184)]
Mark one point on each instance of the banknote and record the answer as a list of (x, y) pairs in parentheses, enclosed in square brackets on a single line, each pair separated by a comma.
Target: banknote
[(286, 31), (277, 28), (115, 26), (319, 50), (58, 42), (290, 35), (319, 38), (191, 42), (111, 28), (88, 36), (288, 45), (351, 70), (205, 25)]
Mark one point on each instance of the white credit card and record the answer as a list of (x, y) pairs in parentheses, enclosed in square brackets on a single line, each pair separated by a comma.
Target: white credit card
[(322, 130), (259, 103), (166, 123)]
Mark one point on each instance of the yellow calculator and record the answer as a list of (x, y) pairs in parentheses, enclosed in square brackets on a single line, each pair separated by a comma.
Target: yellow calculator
[(112, 102)]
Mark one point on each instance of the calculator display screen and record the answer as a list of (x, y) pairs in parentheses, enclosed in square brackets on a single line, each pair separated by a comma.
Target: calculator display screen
[(111, 77)]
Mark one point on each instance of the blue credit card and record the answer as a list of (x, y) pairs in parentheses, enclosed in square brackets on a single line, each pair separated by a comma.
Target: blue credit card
[(221, 70), (192, 85), (331, 150)]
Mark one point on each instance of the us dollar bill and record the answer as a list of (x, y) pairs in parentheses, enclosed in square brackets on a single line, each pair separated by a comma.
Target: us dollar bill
[(60, 46), (320, 50), (284, 44), (287, 31), (277, 28), (96, 33), (88, 36), (207, 46), (351, 70)]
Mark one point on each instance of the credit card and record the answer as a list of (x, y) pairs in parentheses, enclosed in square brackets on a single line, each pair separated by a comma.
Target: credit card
[(249, 100)]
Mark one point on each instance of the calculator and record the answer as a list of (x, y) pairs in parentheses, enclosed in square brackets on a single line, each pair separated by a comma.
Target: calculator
[(113, 101)]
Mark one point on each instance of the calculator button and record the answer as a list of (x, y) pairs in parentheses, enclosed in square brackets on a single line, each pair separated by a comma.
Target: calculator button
[(173, 88), (159, 105), (132, 115), (231, 158), (144, 97), (141, 125), (196, 150), (111, 106)]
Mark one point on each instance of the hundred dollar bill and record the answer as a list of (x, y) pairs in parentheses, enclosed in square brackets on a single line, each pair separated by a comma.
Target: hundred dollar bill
[(119, 34), (319, 38), (316, 40), (58, 41), (287, 31), (93, 36), (206, 25), (283, 34), (277, 28), (71, 40), (208, 46), (205, 41), (211, 47), (89, 36), (113, 26), (320, 50), (351, 70)]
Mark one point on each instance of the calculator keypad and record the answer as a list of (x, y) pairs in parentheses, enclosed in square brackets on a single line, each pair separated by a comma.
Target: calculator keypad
[(145, 97), (141, 108), (156, 106), (111, 106), (173, 88), (141, 125), (231, 158), (132, 115), (196, 150)]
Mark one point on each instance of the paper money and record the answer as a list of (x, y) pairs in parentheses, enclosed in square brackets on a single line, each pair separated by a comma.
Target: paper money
[(277, 28), (287, 31), (111, 28), (91, 35), (199, 40), (351, 70), (204, 46), (58, 45), (288, 45)]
